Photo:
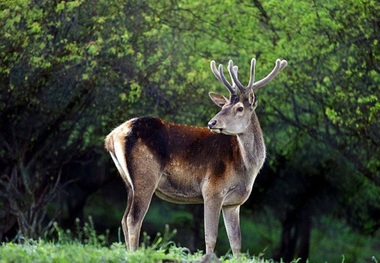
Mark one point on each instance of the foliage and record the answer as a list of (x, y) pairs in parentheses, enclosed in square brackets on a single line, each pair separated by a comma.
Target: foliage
[(47, 101), (69, 69), (342, 80), (351, 246), (331, 98)]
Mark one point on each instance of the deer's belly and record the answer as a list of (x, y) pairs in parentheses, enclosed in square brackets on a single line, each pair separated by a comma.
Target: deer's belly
[(181, 190)]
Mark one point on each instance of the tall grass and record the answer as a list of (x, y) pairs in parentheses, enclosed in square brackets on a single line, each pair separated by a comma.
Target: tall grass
[(43, 252), (85, 245)]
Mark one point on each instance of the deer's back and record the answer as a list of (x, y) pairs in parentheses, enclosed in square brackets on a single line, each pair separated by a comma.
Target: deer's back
[(182, 143)]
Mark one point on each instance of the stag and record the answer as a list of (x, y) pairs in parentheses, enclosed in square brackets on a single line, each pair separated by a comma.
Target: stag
[(214, 166)]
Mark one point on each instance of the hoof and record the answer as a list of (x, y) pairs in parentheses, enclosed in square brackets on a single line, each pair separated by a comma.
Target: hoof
[(209, 258)]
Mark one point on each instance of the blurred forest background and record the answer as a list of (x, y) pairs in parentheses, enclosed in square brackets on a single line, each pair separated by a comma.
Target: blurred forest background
[(71, 71)]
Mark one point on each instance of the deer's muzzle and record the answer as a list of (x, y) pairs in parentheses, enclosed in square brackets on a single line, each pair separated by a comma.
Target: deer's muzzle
[(211, 124)]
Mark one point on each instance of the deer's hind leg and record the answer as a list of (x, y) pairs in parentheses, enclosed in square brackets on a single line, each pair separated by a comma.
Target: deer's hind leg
[(134, 216), (125, 216), (145, 174)]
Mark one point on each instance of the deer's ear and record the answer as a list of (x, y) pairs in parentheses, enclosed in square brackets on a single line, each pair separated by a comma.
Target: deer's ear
[(219, 100)]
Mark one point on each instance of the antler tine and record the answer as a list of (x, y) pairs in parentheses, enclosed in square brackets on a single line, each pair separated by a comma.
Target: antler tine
[(236, 70), (225, 81), (233, 74), (214, 70), (252, 74), (280, 64), (236, 73), (220, 76)]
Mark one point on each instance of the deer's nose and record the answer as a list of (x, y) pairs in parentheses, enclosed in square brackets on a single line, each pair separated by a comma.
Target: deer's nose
[(211, 124)]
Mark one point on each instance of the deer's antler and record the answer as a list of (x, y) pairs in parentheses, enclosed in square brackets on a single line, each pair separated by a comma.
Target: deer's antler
[(280, 64), (233, 73), (220, 76)]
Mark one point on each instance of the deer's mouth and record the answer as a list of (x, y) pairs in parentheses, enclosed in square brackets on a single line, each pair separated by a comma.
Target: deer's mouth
[(222, 131), (216, 130)]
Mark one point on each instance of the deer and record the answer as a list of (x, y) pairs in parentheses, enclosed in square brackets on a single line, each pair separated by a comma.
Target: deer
[(215, 165)]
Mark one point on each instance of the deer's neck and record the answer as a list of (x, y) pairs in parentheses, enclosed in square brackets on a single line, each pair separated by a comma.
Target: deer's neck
[(252, 146)]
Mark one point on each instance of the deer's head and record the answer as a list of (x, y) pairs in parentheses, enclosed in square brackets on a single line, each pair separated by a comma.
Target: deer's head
[(235, 115)]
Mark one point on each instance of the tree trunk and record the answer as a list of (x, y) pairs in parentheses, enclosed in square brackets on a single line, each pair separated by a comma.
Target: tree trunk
[(295, 237), (25, 196), (305, 235), (197, 237)]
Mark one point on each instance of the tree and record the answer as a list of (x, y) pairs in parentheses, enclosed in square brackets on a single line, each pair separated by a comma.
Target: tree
[(69, 71), (335, 104), (56, 63)]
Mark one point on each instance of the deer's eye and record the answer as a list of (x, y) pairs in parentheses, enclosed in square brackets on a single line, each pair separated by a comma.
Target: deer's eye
[(240, 109)]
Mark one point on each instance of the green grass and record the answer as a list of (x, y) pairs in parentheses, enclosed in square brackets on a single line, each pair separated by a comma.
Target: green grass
[(85, 245), (41, 251), (50, 252)]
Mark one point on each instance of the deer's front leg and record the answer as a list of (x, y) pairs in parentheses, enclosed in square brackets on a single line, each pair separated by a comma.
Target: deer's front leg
[(232, 222), (212, 207)]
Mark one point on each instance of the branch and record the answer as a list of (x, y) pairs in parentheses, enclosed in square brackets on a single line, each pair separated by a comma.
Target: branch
[(266, 20), (347, 154)]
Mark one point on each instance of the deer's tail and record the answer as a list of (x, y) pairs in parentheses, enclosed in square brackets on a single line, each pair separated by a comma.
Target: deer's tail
[(115, 145)]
